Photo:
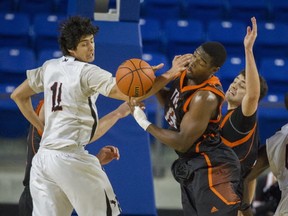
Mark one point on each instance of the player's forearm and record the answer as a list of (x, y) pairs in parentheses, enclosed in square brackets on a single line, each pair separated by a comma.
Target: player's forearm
[(252, 76), (105, 123), (22, 97)]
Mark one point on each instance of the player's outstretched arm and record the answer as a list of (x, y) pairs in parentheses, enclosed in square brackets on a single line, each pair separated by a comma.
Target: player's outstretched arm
[(109, 120), (107, 154), (178, 66), (251, 98)]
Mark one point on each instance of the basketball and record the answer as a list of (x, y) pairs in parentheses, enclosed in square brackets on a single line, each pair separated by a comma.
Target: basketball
[(135, 77)]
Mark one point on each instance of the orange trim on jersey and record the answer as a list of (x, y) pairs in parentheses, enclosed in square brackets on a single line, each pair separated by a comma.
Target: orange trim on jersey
[(242, 159), (210, 180), (197, 149), (226, 118), (212, 81), (38, 108), (240, 141)]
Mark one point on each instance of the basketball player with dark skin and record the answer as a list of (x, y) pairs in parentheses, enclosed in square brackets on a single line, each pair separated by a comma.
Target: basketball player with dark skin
[(239, 125), (105, 155), (207, 170)]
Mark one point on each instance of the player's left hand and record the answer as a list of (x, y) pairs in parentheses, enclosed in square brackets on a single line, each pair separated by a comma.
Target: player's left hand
[(107, 154)]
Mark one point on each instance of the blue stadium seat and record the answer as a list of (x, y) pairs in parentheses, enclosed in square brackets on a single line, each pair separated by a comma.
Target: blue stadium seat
[(275, 71), (272, 38), (8, 6), (245, 9), (46, 31), (279, 10), (47, 54), (229, 33), (151, 34), (61, 6), (206, 10), (13, 124), (231, 68), (183, 36), (162, 9), (14, 63), (15, 30), (272, 115), (33, 7)]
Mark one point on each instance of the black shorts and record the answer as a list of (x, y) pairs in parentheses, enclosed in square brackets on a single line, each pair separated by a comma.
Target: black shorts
[(25, 203), (209, 182)]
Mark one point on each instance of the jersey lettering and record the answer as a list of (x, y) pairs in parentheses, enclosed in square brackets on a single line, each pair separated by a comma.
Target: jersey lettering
[(175, 98), (170, 114), (171, 117), (56, 95)]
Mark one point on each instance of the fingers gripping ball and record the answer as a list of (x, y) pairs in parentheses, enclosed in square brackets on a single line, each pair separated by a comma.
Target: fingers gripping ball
[(135, 77)]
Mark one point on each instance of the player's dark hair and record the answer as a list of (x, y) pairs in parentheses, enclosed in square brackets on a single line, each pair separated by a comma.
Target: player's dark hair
[(71, 31), (263, 85), (216, 51)]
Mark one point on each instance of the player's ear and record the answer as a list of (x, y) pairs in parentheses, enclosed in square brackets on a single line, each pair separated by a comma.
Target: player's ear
[(72, 52)]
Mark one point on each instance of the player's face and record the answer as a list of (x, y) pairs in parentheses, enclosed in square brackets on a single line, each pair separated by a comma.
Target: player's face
[(85, 49), (236, 90), (200, 68)]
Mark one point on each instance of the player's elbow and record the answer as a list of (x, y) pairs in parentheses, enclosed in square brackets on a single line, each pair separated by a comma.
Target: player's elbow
[(14, 95)]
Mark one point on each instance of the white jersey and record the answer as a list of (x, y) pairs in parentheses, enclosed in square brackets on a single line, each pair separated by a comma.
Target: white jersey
[(277, 152), (70, 90)]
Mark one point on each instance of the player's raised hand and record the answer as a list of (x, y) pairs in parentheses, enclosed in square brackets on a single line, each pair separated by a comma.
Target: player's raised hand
[(251, 35), (107, 154)]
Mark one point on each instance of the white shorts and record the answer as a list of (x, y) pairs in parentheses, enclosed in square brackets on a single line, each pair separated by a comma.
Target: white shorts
[(282, 209), (70, 178)]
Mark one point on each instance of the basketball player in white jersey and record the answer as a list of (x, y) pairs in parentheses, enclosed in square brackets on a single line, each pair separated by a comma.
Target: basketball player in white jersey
[(277, 153), (63, 174)]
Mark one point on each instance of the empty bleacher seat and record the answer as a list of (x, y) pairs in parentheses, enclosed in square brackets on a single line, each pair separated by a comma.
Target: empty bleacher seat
[(279, 10), (272, 38), (61, 6), (15, 30), (47, 54), (162, 9), (13, 123), (275, 71), (8, 6), (231, 68), (206, 9), (14, 63), (151, 35), (33, 7), (272, 115), (245, 9), (229, 33), (46, 31), (183, 36)]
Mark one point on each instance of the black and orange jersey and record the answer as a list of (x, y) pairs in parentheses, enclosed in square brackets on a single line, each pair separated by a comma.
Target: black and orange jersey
[(33, 141), (241, 134), (177, 104)]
